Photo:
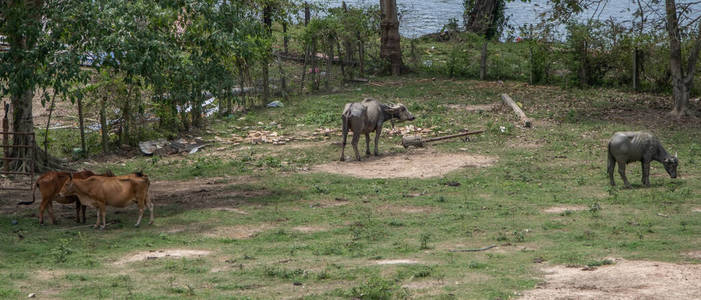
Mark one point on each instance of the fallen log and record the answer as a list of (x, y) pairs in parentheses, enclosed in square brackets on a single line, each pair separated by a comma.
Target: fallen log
[(524, 119), (418, 141)]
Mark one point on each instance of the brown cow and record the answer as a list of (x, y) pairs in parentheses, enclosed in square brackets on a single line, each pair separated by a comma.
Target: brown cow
[(118, 191), (50, 184)]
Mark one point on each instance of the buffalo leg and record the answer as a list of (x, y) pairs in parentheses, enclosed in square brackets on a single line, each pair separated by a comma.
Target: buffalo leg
[(646, 173), (343, 148), (377, 139), (622, 172), (367, 144), (354, 142), (610, 169)]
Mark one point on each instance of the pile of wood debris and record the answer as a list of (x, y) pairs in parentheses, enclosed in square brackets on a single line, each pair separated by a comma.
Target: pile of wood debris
[(261, 137), (409, 129)]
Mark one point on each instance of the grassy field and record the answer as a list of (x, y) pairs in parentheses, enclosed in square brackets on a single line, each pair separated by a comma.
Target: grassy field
[(270, 226)]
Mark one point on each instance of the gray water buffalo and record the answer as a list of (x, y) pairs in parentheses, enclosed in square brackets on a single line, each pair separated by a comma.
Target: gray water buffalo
[(367, 116), (626, 147)]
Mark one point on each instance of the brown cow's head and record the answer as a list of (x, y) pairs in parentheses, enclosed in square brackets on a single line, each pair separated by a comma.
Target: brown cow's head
[(401, 112), (68, 188)]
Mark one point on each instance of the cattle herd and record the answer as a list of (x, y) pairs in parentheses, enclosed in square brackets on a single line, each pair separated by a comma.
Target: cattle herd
[(86, 188)]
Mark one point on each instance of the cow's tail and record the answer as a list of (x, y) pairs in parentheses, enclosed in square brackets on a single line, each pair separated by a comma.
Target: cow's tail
[(34, 188)]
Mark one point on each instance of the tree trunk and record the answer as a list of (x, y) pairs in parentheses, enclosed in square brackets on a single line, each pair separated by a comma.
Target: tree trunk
[(22, 121), (390, 47), (681, 83), (315, 69), (103, 124), (242, 83), (48, 122), (81, 127), (126, 118), (329, 58), (268, 21), (285, 38), (636, 71), (361, 58), (483, 61), (21, 98)]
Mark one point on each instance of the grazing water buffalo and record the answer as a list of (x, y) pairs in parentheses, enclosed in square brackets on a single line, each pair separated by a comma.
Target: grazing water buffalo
[(367, 116), (626, 147)]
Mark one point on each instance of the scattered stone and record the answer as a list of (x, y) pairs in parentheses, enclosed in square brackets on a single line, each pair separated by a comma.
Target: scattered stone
[(32, 295)]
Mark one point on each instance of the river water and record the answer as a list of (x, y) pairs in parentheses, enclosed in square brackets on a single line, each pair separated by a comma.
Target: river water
[(419, 17)]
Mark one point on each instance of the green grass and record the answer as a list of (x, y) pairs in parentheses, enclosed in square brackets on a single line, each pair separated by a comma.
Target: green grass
[(559, 162)]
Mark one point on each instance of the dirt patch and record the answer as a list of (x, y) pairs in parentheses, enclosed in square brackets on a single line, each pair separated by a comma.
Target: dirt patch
[(310, 229), (564, 208), (397, 262), (156, 254), (698, 210), (694, 254), (238, 232), (419, 163), (408, 209), (472, 107), (231, 209), (624, 280), (426, 284)]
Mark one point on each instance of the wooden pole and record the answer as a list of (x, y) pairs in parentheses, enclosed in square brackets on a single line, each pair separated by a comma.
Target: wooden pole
[(6, 138), (507, 100)]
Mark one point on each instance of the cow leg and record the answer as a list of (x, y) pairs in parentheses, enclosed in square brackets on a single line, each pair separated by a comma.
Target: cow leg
[(367, 144), (103, 212), (150, 208), (354, 142), (42, 208), (77, 211), (141, 214), (97, 211), (611, 168), (82, 210), (378, 131), (646, 173), (51, 212), (622, 172)]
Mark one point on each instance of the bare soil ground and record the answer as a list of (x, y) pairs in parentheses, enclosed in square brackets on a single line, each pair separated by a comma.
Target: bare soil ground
[(473, 108), (564, 208), (623, 280), (419, 163), (156, 254)]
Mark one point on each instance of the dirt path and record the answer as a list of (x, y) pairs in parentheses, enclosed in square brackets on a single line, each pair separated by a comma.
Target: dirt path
[(623, 280), (418, 163)]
